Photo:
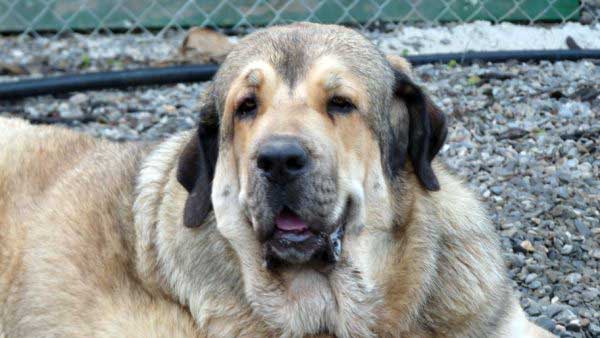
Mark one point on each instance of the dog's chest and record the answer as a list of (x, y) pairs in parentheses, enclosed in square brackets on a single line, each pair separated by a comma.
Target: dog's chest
[(338, 304)]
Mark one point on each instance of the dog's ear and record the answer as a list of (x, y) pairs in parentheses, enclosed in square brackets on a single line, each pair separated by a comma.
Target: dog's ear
[(427, 128), (196, 167)]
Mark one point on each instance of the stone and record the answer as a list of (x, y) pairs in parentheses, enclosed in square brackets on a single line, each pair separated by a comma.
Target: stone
[(530, 278), (526, 246), (545, 323), (68, 111), (591, 294), (567, 249), (79, 99), (573, 278), (565, 316), (554, 309), (582, 228), (170, 109), (534, 309), (594, 330), (574, 325), (536, 284)]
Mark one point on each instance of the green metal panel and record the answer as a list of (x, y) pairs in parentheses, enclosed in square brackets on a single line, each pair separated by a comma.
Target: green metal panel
[(56, 15)]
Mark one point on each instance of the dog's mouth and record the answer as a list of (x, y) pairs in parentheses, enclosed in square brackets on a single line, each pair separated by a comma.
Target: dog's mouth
[(291, 227), (295, 242)]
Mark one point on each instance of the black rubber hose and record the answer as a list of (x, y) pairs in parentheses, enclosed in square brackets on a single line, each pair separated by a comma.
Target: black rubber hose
[(200, 73), (106, 80), (503, 56)]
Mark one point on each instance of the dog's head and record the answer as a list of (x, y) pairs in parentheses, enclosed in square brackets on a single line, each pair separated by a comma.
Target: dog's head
[(319, 127)]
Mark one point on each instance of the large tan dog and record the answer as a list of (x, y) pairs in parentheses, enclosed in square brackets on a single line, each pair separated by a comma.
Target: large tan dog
[(328, 217)]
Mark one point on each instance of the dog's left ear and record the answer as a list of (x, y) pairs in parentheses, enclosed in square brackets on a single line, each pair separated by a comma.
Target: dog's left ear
[(196, 167), (427, 130)]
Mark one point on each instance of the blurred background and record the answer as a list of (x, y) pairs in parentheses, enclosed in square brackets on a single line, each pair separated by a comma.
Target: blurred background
[(524, 135), (108, 31), (156, 17)]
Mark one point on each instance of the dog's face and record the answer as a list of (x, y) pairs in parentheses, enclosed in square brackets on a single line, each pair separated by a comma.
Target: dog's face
[(300, 146), (318, 126)]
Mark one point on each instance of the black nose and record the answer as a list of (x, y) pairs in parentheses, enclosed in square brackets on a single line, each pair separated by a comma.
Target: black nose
[(281, 159)]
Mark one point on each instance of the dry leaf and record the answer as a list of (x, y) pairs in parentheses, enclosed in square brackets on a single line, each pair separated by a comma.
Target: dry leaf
[(12, 69), (206, 45)]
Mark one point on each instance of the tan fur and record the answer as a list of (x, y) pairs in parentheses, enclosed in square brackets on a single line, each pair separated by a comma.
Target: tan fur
[(400, 63), (67, 242), (92, 241)]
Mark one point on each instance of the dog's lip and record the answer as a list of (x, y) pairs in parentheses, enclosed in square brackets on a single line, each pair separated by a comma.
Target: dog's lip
[(292, 236)]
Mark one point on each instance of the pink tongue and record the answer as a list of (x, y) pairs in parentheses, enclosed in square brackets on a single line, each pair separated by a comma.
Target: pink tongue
[(289, 222)]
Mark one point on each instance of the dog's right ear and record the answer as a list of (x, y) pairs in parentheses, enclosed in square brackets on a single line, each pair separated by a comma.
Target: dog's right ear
[(196, 167)]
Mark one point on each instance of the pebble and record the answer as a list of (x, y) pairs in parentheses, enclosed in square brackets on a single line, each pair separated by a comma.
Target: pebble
[(530, 278), (574, 278), (546, 323), (554, 309), (574, 325), (590, 294), (582, 228), (68, 111), (565, 316), (79, 99), (527, 246), (518, 261), (566, 249), (535, 285), (594, 329), (496, 189), (170, 109), (534, 309), (537, 268)]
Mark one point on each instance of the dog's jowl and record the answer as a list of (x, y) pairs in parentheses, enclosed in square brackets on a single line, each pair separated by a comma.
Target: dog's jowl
[(308, 202)]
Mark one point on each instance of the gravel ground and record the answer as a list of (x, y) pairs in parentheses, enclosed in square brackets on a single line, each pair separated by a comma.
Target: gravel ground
[(483, 35), (76, 53), (524, 136)]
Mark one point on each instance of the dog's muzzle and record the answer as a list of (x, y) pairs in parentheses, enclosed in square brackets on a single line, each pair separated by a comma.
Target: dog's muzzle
[(290, 206)]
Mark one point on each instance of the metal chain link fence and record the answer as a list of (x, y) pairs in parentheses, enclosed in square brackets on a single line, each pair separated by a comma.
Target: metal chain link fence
[(154, 18)]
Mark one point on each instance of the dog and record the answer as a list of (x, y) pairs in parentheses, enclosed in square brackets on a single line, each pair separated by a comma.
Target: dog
[(308, 203)]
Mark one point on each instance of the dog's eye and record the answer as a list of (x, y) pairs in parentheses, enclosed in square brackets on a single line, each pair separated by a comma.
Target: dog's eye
[(247, 107), (340, 105)]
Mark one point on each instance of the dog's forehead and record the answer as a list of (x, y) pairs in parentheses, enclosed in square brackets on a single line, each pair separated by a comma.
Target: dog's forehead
[(292, 50)]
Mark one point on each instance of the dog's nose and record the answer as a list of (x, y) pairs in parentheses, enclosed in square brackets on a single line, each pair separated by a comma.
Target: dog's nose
[(281, 159)]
